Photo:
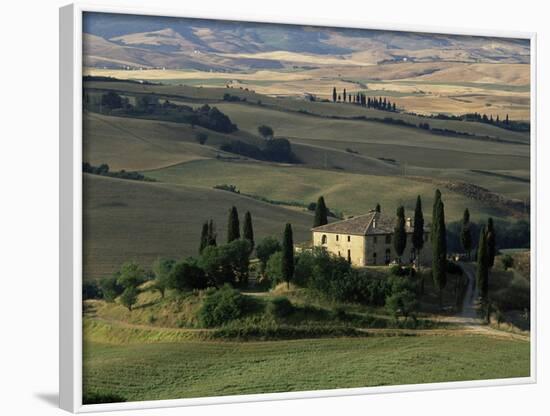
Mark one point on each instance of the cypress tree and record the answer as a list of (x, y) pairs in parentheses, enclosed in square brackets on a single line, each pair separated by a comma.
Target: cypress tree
[(418, 232), (204, 237), (334, 94), (378, 208), (211, 233), (344, 95), (482, 275), (399, 233), (288, 255), (320, 213), (491, 242), (233, 231), (439, 248), (437, 198), (466, 232), (248, 231)]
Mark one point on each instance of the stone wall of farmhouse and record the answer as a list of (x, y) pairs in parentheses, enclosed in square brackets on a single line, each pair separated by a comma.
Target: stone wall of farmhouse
[(370, 250), (343, 245)]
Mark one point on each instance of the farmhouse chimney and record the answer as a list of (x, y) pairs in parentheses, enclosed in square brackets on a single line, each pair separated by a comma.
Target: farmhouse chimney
[(409, 222), (374, 223)]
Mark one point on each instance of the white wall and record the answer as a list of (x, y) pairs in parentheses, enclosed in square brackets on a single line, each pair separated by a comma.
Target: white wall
[(28, 227)]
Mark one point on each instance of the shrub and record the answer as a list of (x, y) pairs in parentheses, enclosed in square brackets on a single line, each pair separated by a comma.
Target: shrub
[(91, 290), (303, 270), (186, 275), (398, 270), (507, 261), (280, 307), (274, 268), (201, 137), (265, 248), (110, 288), (222, 306)]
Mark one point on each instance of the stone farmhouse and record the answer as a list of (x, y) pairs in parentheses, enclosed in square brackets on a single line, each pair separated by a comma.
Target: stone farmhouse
[(366, 240)]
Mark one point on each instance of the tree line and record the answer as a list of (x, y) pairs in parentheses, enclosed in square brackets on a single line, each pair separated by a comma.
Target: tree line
[(380, 103)]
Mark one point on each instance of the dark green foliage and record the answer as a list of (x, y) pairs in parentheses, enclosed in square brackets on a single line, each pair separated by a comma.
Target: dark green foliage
[(274, 268), (321, 217), (274, 150), (303, 269), (491, 243), (397, 270), (204, 237), (439, 246), (91, 290), (161, 270), (131, 275), (402, 300), (111, 100), (129, 297), (201, 137), (227, 263), (280, 307), (94, 397), (418, 232), (482, 276), (378, 208), (453, 268), (288, 255), (186, 275), (265, 248), (110, 288), (399, 238), (233, 228), (466, 233), (103, 170), (507, 261), (248, 230), (222, 306), (211, 233), (265, 131)]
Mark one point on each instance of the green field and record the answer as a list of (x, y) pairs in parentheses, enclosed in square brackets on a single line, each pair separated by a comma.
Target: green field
[(192, 369)]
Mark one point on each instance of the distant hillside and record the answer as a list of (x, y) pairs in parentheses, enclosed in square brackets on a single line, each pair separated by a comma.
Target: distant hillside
[(151, 41)]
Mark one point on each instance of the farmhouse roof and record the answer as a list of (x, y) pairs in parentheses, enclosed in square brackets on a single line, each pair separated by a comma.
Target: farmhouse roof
[(372, 223)]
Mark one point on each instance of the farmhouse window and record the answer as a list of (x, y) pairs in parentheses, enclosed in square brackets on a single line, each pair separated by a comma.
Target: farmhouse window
[(388, 256), (374, 240), (324, 239), (337, 237), (349, 238), (388, 239)]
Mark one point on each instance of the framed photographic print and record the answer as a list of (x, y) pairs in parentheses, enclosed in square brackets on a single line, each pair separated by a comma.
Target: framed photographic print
[(254, 209)]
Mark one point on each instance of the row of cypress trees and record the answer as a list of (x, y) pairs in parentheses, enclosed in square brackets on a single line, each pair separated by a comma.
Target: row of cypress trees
[(361, 99), (208, 232)]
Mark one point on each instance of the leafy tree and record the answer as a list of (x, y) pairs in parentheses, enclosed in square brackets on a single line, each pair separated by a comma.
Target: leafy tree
[(129, 297), (321, 213), (274, 268), (265, 250), (439, 247), (491, 242), (110, 288), (288, 255), (265, 131), (399, 233), (248, 231), (222, 306), (227, 263), (131, 275), (186, 275), (91, 290), (402, 299), (204, 237), (233, 229), (482, 276), (378, 208), (111, 100), (466, 233), (161, 270), (201, 137)]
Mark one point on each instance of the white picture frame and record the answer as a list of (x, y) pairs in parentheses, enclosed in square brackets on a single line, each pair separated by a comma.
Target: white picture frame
[(70, 202)]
